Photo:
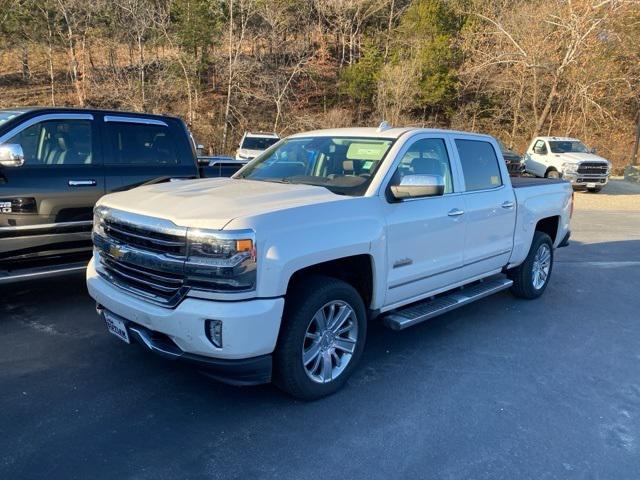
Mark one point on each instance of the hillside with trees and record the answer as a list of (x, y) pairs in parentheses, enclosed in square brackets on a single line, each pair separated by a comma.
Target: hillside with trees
[(511, 68)]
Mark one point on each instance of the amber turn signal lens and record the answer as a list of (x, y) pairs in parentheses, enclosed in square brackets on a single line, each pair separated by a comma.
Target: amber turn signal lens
[(244, 245)]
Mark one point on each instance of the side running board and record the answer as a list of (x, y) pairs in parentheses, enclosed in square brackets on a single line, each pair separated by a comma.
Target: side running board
[(419, 312)]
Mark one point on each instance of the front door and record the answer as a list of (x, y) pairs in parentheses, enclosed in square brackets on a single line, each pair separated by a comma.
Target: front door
[(47, 203), (538, 160), (425, 236)]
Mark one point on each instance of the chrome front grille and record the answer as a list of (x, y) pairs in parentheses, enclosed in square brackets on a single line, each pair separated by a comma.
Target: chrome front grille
[(144, 238), (142, 255), (592, 168)]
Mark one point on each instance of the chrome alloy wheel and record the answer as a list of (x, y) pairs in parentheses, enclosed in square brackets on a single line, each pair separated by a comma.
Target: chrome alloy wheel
[(330, 341), (541, 266)]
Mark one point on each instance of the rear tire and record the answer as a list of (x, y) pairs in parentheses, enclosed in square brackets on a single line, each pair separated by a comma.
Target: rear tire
[(315, 356), (530, 279)]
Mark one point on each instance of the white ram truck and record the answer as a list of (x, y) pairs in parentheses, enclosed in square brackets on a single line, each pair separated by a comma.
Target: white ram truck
[(274, 273), (567, 158)]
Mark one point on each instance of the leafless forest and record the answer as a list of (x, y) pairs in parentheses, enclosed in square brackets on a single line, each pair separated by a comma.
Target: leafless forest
[(511, 68)]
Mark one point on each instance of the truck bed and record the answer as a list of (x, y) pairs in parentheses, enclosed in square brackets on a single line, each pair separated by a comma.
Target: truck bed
[(523, 182)]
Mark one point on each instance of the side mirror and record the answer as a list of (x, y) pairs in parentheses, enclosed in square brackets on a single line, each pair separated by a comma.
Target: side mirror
[(11, 155), (418, 186), (200, 149), (594, 151)]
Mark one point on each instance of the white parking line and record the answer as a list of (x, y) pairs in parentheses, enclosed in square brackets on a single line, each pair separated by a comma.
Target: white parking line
[(603, 264)]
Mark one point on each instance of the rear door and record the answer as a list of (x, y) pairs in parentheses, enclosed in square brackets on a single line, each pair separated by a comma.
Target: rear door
[(490, 206), (139, 150), (48, 201)]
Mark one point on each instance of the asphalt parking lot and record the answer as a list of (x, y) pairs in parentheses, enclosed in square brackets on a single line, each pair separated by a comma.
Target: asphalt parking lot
[(504, 388)]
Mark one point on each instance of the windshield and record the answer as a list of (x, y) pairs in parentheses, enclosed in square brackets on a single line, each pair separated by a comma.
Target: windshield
[(343, 165), (258, 143), (6, 115), (568, 146)]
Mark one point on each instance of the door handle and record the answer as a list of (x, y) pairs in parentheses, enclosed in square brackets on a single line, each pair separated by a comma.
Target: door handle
[(82, 183), (507, 204), (456, 212)]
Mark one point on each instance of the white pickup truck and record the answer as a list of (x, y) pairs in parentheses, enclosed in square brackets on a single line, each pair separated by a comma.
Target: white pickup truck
[(567, 158), (273, 273)]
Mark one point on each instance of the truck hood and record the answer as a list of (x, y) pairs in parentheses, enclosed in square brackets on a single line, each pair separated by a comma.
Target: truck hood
[(575, 157), (245, 152), (213, 203)]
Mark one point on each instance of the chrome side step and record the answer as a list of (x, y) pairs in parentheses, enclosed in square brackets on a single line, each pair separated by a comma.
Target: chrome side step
[(410, 315), (41, 272)]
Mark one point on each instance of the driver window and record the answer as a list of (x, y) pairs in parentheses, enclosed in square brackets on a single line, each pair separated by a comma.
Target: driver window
[(427, 157), (540, 148), (56, 142)]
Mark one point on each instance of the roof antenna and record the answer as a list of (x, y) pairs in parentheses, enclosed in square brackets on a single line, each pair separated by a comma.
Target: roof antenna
[(383, 126)]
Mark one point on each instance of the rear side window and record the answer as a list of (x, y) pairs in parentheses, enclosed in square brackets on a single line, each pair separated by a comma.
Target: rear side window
[(139, 144), (479, 165)]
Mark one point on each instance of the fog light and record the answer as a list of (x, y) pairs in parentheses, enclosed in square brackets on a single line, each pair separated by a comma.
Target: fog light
[(213, 330)]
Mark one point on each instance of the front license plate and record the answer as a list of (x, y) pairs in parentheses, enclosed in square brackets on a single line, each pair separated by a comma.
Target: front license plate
[(591, 185), (117, 327)]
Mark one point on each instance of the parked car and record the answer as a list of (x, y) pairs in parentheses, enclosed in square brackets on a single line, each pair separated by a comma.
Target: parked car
[(55, 163), (273, 273), (253, 144), (567, 158), (514, 161), (219, 165)]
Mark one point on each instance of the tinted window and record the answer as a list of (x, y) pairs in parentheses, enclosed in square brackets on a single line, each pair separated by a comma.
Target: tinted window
[(427, 157), (56, 142), (568, 147), (257, 143), (479, 164), (138, 144)]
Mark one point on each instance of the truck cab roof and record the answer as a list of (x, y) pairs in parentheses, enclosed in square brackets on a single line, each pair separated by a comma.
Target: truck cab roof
[(373, 132)]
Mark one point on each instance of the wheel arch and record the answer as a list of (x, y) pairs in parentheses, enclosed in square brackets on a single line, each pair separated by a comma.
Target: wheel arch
[(356, 270), (549, 225)]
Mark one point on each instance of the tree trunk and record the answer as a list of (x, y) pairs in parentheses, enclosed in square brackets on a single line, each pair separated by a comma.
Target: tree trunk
[(634, 154), (544, 115), (227, 108)]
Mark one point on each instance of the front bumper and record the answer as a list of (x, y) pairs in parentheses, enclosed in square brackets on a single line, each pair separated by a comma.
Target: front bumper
[(249, 327), (247, 371), (580, 180)]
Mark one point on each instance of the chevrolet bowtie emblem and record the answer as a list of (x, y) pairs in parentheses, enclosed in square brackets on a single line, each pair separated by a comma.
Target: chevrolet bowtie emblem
[(116, 252)]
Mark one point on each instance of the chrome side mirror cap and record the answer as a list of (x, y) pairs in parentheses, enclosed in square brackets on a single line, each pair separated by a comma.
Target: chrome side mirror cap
[(11, 155), (418, 186), (594, 150)]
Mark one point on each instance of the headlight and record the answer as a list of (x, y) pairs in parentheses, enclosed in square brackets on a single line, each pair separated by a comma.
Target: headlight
[(570, 167), (221, 261), (98, 221)]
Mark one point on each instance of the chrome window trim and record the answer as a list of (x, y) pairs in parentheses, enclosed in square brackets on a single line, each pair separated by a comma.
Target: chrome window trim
[(139, 121), (43, 118), (45, 226)]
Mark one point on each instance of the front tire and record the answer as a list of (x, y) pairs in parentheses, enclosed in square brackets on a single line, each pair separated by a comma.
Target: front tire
[(594, 190), (321, 339), (530, 279), (552, 174)]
